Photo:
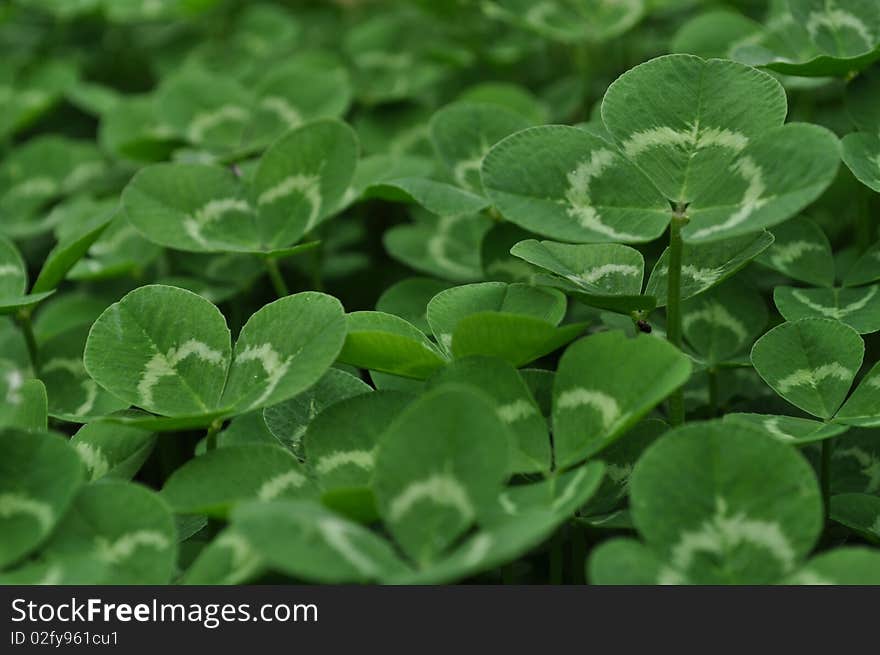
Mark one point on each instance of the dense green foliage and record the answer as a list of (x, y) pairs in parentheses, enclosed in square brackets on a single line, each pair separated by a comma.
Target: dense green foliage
[(439, 291)]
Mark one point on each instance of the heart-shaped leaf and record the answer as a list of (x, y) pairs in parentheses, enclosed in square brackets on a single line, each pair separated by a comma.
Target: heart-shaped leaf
[(41, 474), (861, 150), (724, 321), (514, 405), (862, 408), (289, 420), (295, 93), (685, 140), (301, 180), (516, 322), (859, 308), (74, 396), (714, 33), (788, 429), (341, 442), (866, 269), (119, 251), (25, 406), (386, 343), (443, 458), (243, 429), (444, 246), (751, 521), (112, 451), (462, 134), (163, 349), (192, 207), (397, 56), (852, 566), (216, 482), (602, 275), (303, 539), (229, 559), (758, 193), (448, 308), (855, 462), (801, 251), (710, 159), (842, 28), (283, 349), (811, 363), (13, 274), (39, 172), (619, 459), (603, 270), (124, 527), (205, 109), (519, 339)]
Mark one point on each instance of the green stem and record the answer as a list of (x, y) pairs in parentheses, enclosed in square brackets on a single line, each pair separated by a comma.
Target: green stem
[(713, 391), (556, 558), (211, 436), (27, 329), (578, 553), (277, 279), (673, 305), (825, 473)]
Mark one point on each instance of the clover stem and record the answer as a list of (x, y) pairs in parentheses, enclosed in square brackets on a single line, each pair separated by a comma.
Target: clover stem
[(578, 553), (825, 473), (556, 559), (277, 279), (673, 305), (27, 329), (211, 436), (713, 391)]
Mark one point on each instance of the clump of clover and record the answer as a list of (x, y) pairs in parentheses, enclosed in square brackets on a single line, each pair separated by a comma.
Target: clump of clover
[(321, 295), (690, 145)]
